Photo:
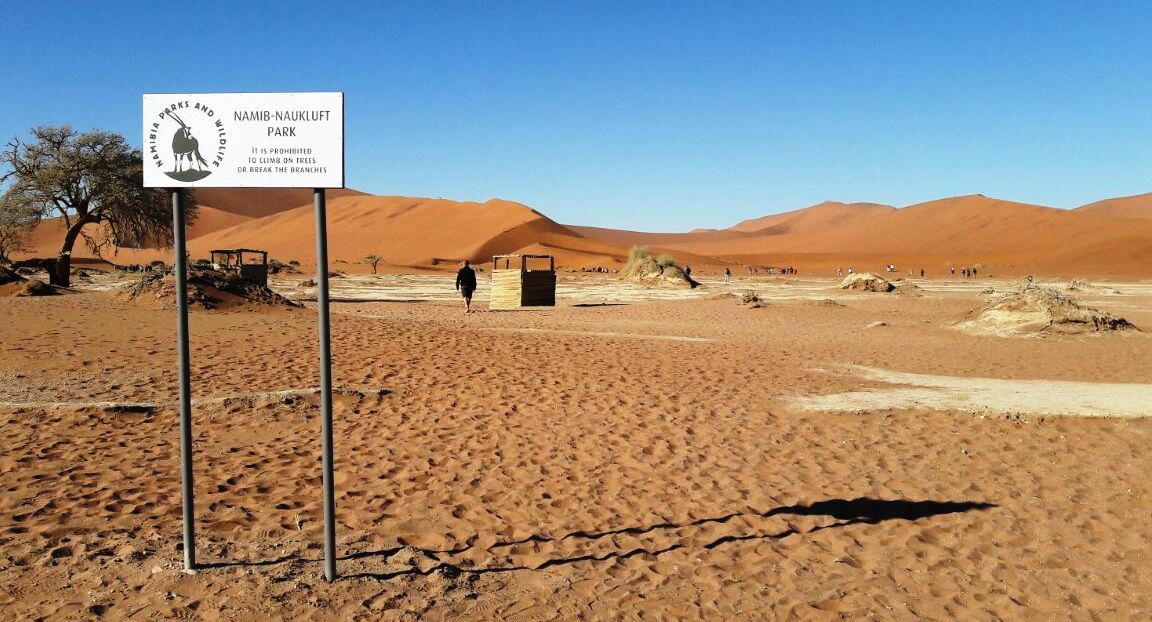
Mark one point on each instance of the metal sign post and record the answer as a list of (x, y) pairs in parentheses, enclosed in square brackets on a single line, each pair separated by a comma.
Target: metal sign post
[(247, 140), (327, 470), (180, 264)]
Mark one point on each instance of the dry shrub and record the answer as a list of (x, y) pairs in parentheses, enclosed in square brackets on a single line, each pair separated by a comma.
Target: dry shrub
[(644, 269), (867, 282), (752, 300), (207, 289), (1032, 309)]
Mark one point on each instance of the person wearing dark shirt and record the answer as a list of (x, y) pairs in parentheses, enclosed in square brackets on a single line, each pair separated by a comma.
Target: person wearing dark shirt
[(466, 284)]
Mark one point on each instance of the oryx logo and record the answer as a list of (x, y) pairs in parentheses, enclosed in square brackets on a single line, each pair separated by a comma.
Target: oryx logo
[(198, 141)]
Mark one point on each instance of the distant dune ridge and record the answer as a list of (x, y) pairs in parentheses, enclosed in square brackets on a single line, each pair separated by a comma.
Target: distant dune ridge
[(1136, 206), (816, 218), (1108, 237)]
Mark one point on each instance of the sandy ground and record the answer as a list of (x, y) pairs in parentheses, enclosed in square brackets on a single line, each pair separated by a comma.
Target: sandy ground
[(616, 457)]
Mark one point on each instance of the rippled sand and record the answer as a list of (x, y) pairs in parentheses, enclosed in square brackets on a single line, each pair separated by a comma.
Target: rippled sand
[(608, 458)]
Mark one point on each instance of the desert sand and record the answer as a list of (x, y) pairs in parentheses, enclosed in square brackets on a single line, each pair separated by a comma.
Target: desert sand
[(633, 453), (628, 454)]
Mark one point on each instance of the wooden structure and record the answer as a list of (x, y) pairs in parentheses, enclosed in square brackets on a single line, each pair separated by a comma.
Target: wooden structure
[(522, 281), (251, 265)]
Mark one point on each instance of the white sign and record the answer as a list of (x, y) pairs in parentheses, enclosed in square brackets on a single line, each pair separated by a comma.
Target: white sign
[(244, 140)]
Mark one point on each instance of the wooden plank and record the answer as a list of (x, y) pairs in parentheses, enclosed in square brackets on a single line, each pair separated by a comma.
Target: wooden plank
[(539, 289), (512, 289), (506, 289)]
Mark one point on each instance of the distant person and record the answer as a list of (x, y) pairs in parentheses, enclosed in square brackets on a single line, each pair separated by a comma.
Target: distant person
[(688, 272), (973, 271), (839, 271), (952, 270), (849, 269), (466, 284), (921, 272), (727, 275)]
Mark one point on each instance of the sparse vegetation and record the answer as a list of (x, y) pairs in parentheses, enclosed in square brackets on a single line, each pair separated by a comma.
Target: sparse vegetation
[(373, 260), (866, 281), (1033, 309), (207, 289), (751, 300), (276, 267), (643, 268)]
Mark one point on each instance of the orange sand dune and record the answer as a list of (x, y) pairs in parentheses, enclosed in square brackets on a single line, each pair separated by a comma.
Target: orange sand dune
[(1136, 206), (959, 230), (815, 218), (406, 231), (1103, 238), (48, 236), (209, 219), (625, 238), (569, 249), (260, 202)]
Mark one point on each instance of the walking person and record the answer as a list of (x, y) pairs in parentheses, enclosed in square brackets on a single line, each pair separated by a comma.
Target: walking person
[(727, 275), (466, 284)]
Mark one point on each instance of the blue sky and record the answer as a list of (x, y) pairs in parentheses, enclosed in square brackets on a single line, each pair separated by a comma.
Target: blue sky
[(657, 116)]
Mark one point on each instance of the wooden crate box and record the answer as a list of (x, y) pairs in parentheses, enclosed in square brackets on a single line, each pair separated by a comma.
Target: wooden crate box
[(523, 281), (250, 264)]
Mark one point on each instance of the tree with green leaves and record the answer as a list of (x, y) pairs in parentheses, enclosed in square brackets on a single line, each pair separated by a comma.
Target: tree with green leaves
[(86, 178)]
